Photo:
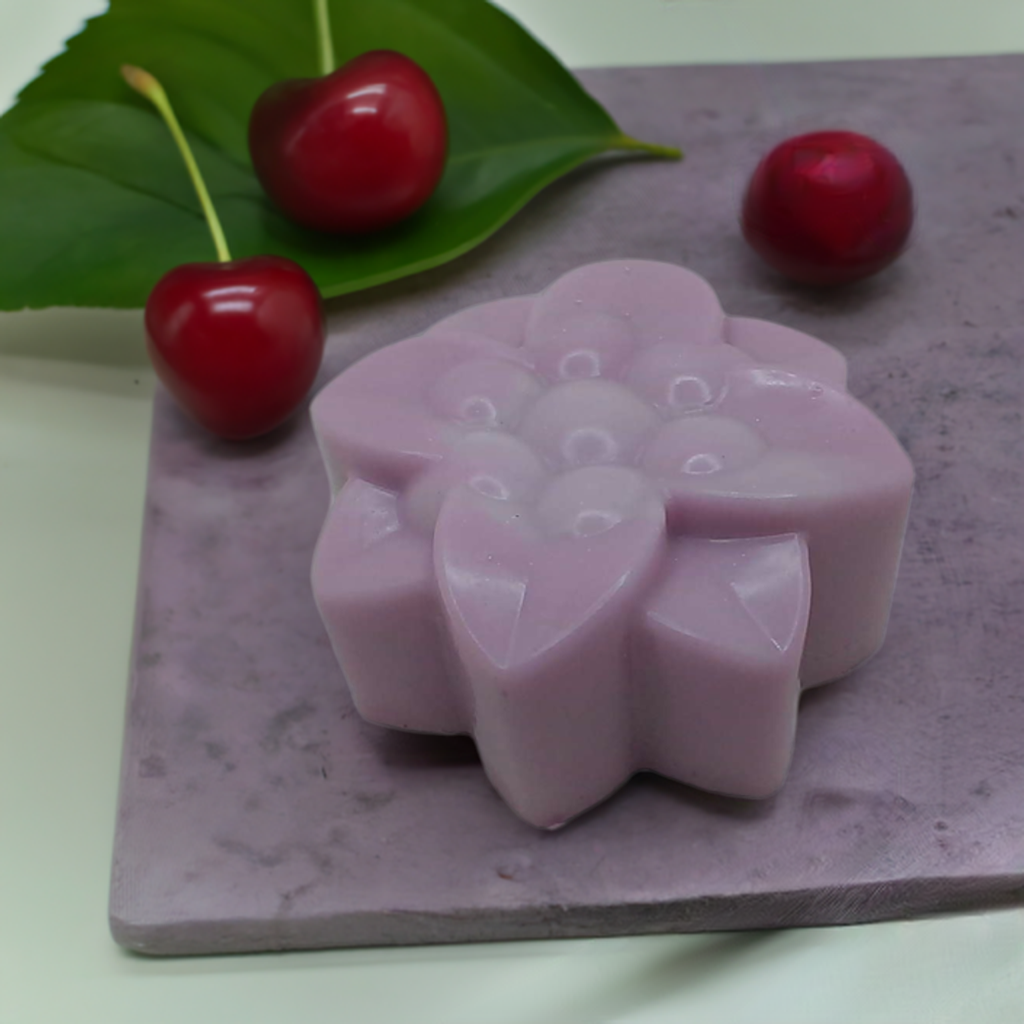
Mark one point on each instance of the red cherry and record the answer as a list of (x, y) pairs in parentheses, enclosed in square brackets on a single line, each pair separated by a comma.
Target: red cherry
[(357, 150), (236, 343), (828, 208)]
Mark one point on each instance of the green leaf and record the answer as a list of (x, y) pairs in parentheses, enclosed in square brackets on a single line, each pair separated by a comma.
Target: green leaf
[(95, 203)]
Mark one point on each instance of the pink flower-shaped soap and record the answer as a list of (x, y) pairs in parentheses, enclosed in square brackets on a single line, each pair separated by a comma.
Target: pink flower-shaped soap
[(605, 529)]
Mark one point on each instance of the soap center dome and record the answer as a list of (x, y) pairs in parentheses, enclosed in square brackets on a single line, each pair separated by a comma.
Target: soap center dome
[(586, 422)]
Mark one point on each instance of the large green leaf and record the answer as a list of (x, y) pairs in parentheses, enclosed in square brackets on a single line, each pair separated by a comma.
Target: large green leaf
[(95, 203)]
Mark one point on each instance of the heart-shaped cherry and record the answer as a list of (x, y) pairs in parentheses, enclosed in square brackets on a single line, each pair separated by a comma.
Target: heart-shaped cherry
[(828, 208), (356, 150), (237, 343)]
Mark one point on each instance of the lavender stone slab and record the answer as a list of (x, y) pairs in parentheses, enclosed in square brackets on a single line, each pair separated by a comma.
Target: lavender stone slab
[(258, 812)]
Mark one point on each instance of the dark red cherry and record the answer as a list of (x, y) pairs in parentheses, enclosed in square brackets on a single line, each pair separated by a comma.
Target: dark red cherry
[(355, 151), (237, 343), (828, 208)]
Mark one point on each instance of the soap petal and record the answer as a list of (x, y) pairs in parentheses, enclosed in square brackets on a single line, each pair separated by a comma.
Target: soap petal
[(805, 441), (781, 454), (484, 394), (377, 420), (539, 616), (591, 321), (778, 346), (502, 320), (717, 652), (798, 413), (374, 585)]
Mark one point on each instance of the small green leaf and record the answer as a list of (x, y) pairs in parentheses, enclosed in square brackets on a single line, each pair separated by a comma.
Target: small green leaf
[(95, 204)]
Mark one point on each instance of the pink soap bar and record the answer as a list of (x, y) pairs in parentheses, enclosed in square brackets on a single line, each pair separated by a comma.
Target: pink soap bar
[(605, 529)]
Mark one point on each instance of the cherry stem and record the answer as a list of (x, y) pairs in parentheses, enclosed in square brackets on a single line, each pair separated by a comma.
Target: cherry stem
[(323, 35), (146, 85)]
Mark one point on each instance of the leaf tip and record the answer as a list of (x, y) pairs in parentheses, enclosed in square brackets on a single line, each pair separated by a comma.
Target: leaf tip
[(650, 148)]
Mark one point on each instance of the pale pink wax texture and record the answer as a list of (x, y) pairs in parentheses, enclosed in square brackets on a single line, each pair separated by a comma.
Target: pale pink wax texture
[(605, 529)]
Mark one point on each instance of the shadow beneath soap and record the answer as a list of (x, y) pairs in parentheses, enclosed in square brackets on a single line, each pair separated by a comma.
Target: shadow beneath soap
[(714, 804), (419, 752), (833, 698), (819, 696)]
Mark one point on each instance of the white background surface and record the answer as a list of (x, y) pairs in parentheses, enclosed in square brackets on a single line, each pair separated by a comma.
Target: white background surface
[(73, 441)]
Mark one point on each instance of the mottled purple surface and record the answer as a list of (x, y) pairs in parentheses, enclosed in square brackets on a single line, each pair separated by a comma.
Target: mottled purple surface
[(257, 812)]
